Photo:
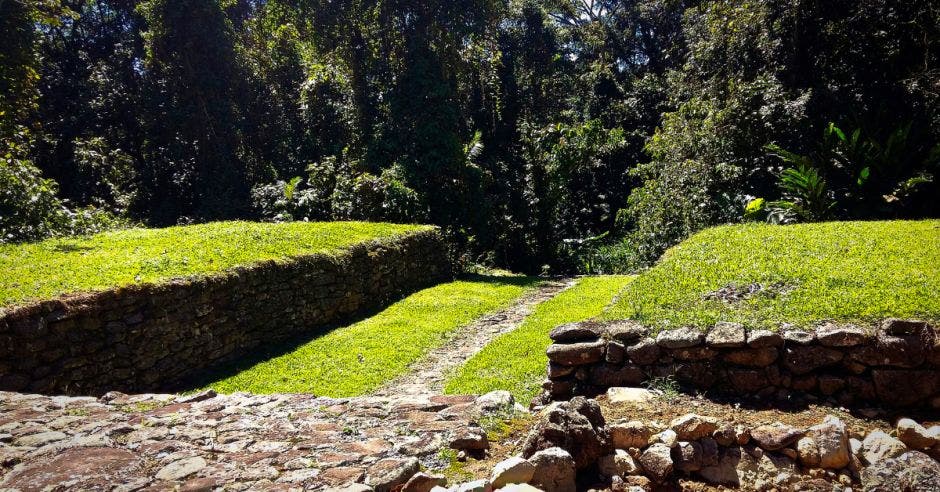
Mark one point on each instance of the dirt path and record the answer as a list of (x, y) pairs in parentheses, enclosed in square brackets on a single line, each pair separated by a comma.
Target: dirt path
[(427, 375)]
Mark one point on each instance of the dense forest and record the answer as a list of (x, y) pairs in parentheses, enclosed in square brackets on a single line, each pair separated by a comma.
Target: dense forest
[(542, 135)]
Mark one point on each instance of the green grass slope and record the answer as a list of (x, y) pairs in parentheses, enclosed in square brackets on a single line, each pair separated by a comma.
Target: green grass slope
[(53, 267), (800, 274), (516, 361), (356, 359)]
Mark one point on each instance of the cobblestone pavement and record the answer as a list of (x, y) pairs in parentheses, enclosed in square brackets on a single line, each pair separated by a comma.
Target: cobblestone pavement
[(426, 377), (204, 441)]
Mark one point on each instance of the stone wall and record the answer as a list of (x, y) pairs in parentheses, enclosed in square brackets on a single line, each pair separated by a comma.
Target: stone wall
[(897, 364), (152, 337)]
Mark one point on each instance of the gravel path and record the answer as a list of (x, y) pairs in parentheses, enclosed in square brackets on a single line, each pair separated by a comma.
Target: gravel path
[(427, 376)]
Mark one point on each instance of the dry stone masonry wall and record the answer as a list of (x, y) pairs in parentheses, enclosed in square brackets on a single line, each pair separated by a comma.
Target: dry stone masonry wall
[(150, 337), (895, 365)]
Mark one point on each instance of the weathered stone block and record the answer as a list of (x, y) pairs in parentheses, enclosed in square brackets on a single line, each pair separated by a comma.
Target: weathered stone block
[(806, 359), (644, 352), (755, 357), (726, 335), (680, 338), (576, 354)]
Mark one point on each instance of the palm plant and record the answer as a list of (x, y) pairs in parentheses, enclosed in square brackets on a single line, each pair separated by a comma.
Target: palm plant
[(871, 178), (806, 197)]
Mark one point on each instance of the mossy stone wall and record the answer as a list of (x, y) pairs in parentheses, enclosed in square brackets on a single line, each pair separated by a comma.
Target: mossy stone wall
[(154, 337)]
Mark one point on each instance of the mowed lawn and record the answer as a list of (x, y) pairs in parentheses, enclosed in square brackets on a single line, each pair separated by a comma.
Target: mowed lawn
[(359, 358), (50, 268), (516, 361), (767, 275)]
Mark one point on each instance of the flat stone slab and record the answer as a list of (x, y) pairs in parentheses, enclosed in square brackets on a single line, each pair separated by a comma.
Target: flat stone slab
[(619, 395), (239, 441)]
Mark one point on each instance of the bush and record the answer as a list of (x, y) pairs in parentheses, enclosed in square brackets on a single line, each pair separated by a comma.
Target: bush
[(333, 191), (29, 208), (604, 255)]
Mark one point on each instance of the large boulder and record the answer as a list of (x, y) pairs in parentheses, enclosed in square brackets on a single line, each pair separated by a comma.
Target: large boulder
[(692, 427), (643, 352), (878, 446), (619, 464), (470, 438), (808, 452), (915, 436), (749, 469), (684, 337), (687, 456), (764, 339), (657, 462), (577, 332), (619, 395), (391, 473), (832, 439), (834, 335), (634, 434), (626, 331), (424, 482), (554, 470), (726, 335), (912, 471), (775, 436), (512, 470), (577, 426)]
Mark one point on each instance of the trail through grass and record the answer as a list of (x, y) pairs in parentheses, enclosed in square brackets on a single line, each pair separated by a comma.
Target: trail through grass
[(765, 275), (357, 359), (516, 361), (53, 267)]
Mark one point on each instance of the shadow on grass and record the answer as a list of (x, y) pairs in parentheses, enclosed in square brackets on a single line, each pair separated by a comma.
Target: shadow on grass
[(272, 350)]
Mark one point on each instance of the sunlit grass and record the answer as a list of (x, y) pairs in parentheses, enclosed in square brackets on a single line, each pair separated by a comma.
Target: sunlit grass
[(356, 359), (53, 267), (516, 361), (847, 271)]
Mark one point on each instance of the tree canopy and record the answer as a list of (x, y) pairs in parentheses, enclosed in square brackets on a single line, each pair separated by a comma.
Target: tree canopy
[(559, 134)]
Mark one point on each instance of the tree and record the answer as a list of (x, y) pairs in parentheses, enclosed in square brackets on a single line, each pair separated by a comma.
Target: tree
[(194, 163)]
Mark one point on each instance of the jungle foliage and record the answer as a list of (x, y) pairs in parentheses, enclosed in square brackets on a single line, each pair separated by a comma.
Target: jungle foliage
[(567, 134)]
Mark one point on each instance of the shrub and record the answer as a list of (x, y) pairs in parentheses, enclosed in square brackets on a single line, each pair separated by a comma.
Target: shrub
[(334, 191), (871, 178), (29, 208)]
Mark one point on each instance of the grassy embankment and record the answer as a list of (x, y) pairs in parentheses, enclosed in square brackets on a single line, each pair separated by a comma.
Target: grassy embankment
[(50, 268), (764, 276), (759, 275)]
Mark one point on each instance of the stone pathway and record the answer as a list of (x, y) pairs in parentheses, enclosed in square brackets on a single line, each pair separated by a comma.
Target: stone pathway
[(427, 376), (257, 442), (153, 442)]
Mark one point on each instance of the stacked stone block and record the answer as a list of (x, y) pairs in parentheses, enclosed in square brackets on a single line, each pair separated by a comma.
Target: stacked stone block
[(151, 337), (896, 364)]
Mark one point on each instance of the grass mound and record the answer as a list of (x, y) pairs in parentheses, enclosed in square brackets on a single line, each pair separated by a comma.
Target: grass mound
[(516, 361), (358, 358), (766, 275), (53, 267)]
